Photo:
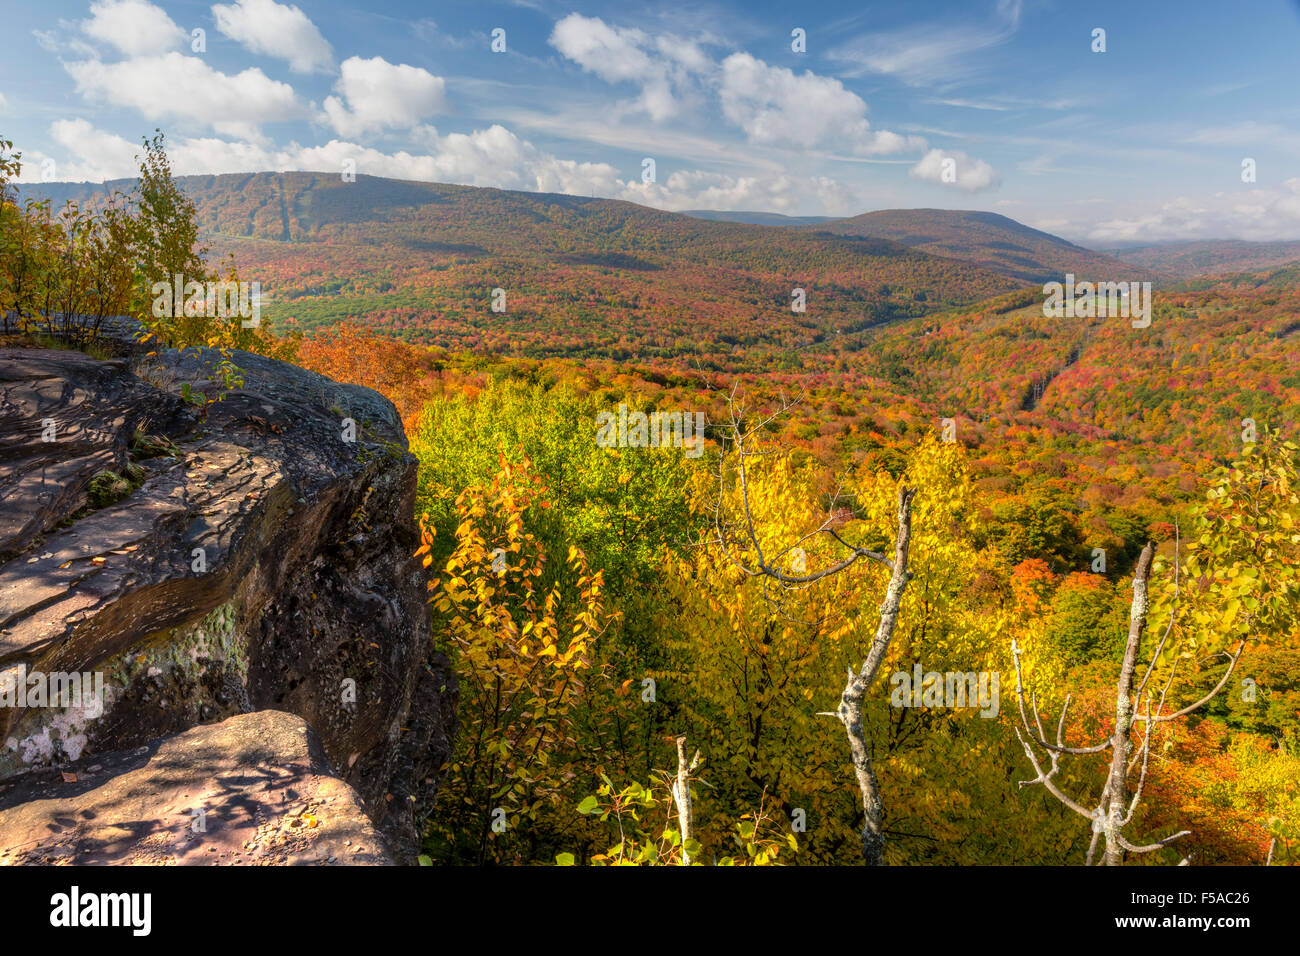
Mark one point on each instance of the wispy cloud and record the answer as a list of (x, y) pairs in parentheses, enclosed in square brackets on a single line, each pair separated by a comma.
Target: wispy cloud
[(1247, 134), (972, 105), (928, 53)]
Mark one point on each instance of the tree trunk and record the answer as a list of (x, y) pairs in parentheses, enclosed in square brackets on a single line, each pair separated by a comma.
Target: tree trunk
[(855, 691), (1121, 745), (682, 795)]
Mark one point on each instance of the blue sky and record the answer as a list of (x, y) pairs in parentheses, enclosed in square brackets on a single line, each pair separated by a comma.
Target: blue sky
[(1001, 105)]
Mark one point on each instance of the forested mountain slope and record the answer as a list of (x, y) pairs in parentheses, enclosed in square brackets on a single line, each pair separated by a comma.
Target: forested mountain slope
[(581, 276), (1211, 256), (994, 242)]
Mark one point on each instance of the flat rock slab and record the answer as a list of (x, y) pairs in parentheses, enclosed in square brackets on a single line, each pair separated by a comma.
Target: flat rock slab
[(265, 789)]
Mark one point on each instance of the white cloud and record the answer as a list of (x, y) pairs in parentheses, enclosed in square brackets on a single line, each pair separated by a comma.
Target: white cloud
[(377, 94), (612, 53), (695, 189), (276, 30), (493, 157), (1259, 214), (775, 106), (185, 88), (662, 68), (135, 27), (101, 155), (964, 172), (93, 155)]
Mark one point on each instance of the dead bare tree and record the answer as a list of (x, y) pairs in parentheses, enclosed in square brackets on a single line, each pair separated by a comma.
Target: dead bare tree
[(750, 558), (1116, 805)]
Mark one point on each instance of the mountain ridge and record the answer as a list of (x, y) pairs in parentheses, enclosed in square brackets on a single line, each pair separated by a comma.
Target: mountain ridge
[(989, 230), (990, 240), (577, 274), (1192, 258)]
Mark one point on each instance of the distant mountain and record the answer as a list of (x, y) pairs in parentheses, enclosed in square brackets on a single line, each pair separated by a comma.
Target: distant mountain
[(580, 276), (1212, 256), (756, 218), (991, 241)]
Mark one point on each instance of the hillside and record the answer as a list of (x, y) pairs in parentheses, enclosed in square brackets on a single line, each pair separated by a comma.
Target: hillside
[(1075, 438), (986, 239), (581, 276), (1212, 256)]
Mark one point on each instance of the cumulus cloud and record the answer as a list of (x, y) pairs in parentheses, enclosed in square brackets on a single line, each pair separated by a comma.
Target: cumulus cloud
[(135, 27), (773, 105), (276, 30), (696, 189), (953, 167), (497, 157), (776, 106), (662, 67), (101, 155), (185, 88), (611, 53), (92, 155), (376, 94)]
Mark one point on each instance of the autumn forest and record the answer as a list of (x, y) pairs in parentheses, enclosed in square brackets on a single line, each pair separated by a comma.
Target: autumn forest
[(936, 579)]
